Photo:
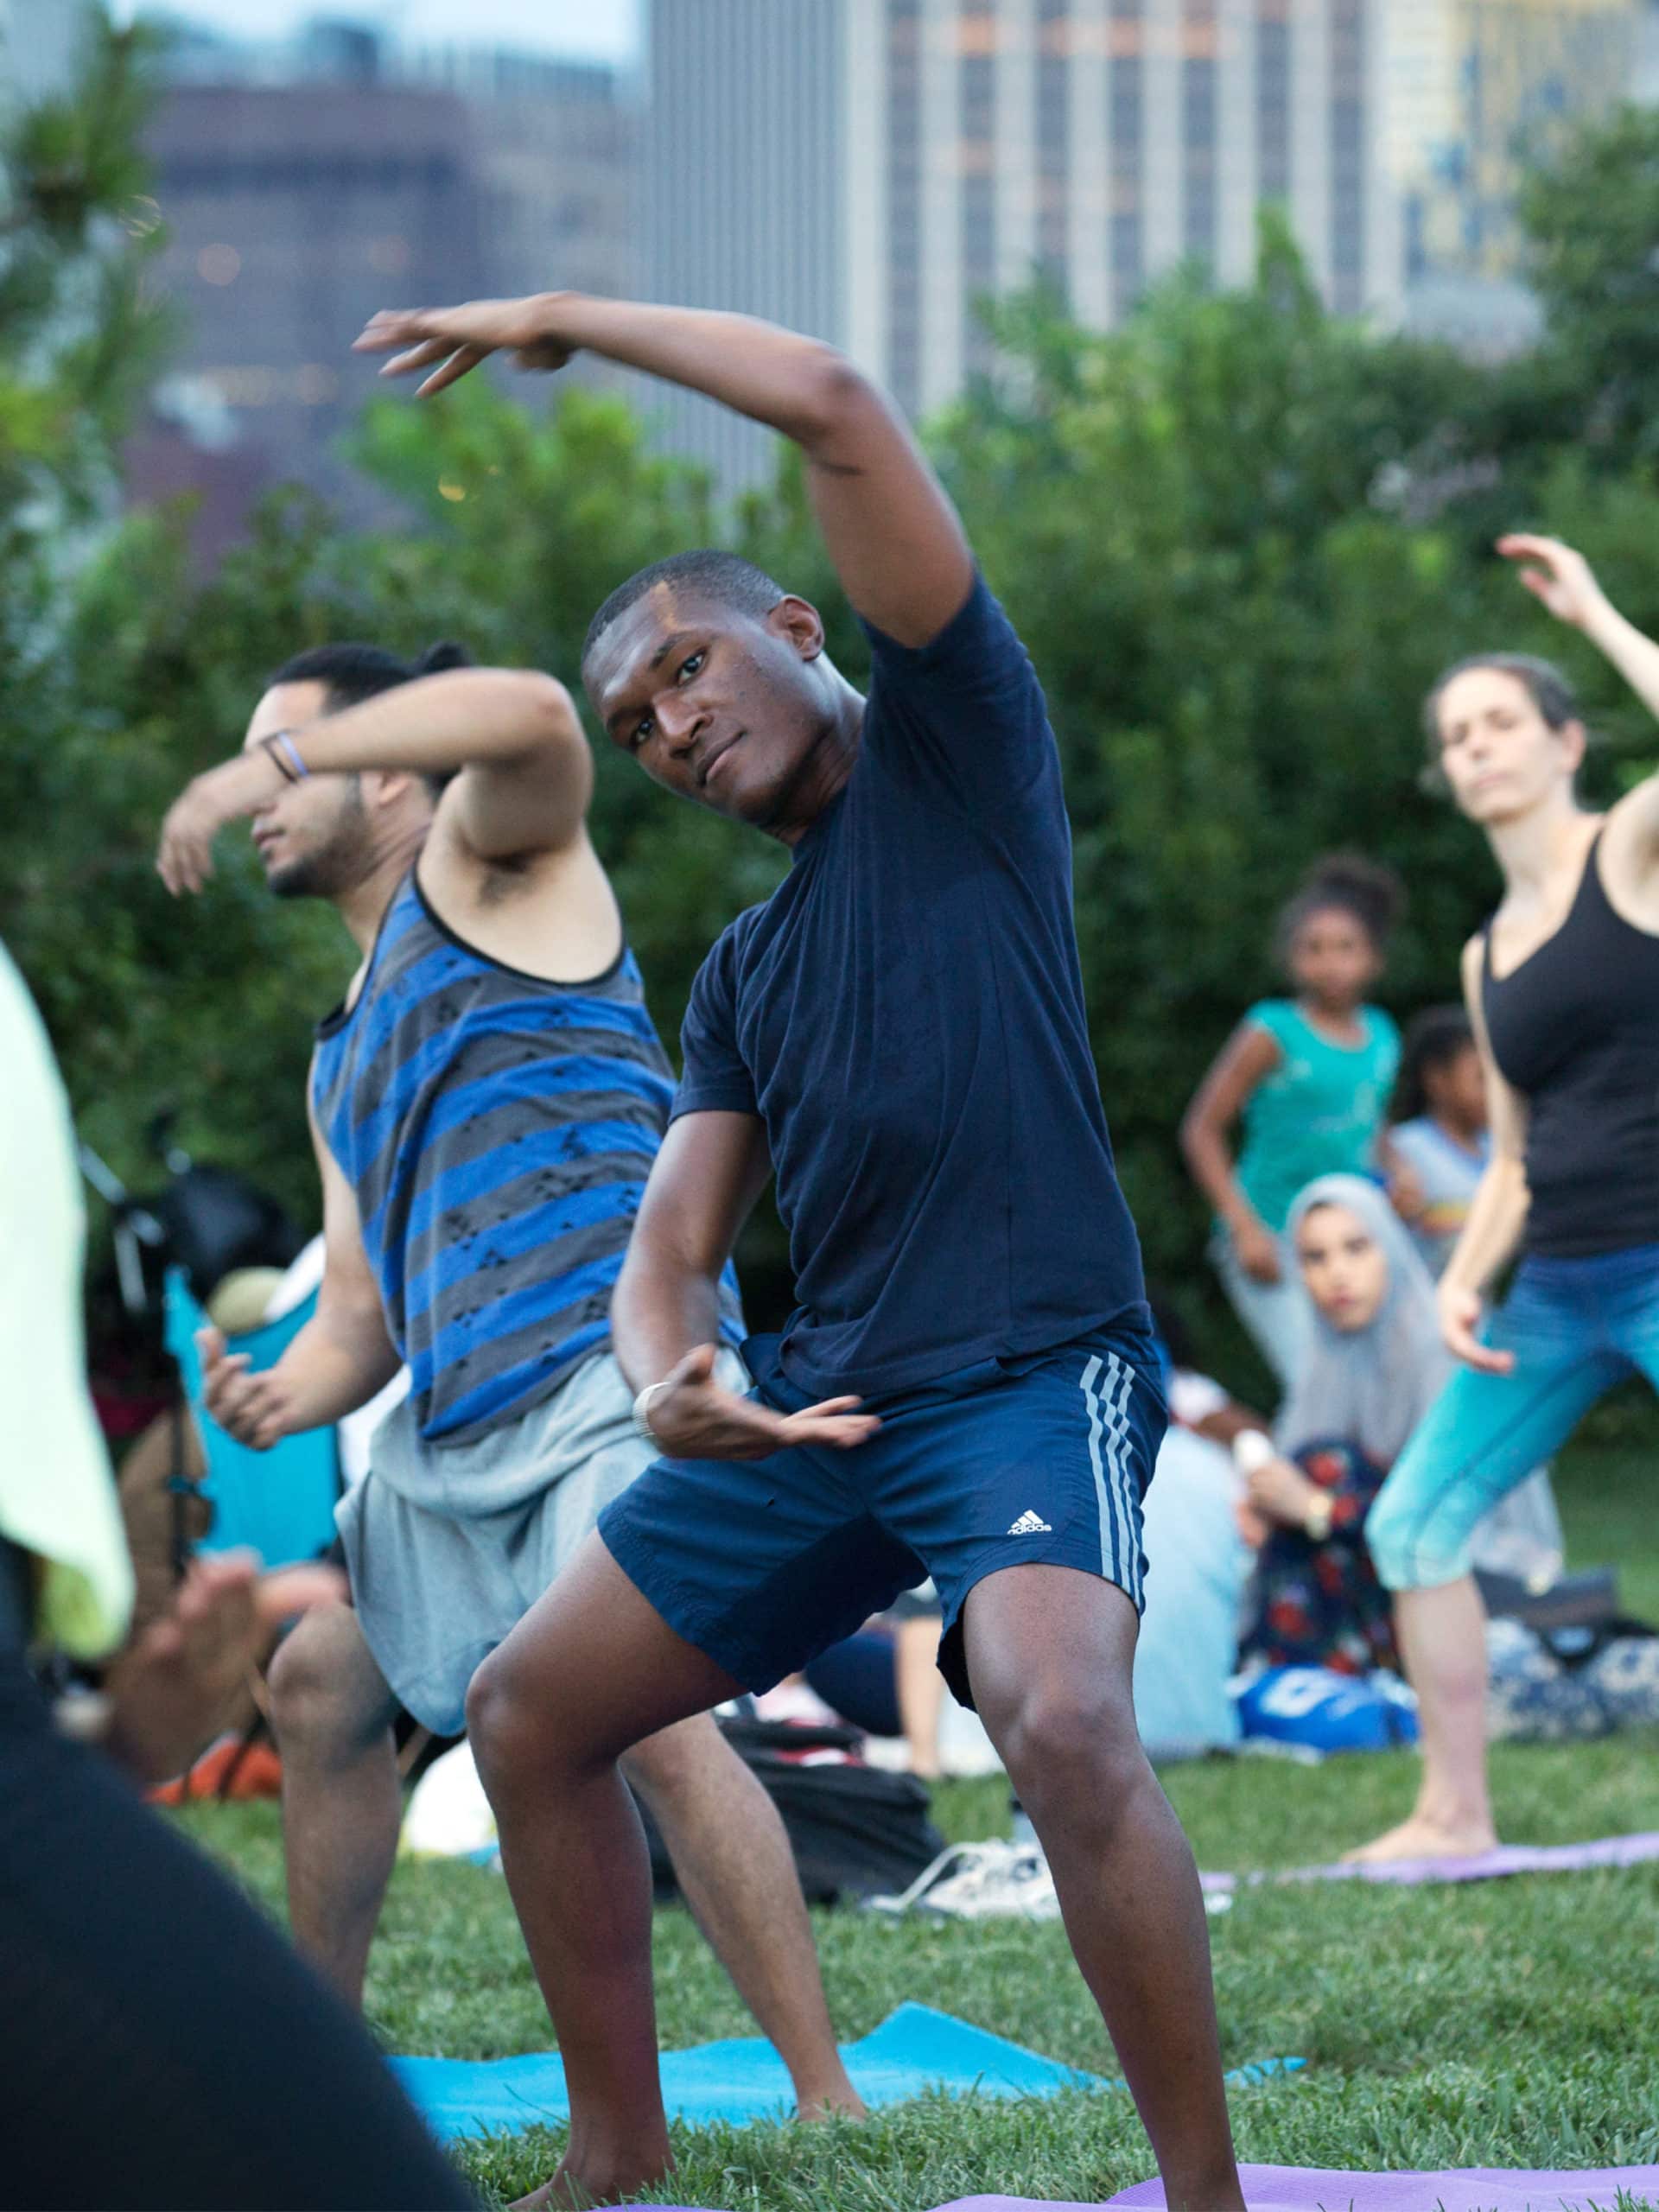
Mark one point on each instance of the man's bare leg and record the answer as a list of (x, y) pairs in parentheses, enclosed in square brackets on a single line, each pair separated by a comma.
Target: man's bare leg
[(732, 1859), (590, 1672), (1442, 1639), (1049, 1652), (331, 1712)]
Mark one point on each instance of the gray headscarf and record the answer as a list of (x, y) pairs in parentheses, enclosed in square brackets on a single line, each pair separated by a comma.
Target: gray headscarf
[(1370, 1387)]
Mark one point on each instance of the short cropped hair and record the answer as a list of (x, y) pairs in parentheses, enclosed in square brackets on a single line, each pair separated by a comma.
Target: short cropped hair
[(351, 672), (726, 578)]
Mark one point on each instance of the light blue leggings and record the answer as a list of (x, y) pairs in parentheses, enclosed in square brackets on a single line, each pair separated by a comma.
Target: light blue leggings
[(1576, 1328)]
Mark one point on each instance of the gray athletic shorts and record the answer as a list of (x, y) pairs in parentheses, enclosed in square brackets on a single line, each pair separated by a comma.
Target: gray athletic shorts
[(448, 1547)]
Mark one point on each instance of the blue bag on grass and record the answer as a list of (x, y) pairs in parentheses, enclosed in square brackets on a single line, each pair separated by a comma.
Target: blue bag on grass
[(1326, 1712)]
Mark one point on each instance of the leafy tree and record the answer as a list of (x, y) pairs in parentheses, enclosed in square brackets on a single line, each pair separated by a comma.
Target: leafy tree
[(1592, 217)]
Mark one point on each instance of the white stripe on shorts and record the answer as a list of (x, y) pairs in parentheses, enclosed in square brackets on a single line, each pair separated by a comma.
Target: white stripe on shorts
[(1102, 1502), (1108, 1455), (1119, 1460)]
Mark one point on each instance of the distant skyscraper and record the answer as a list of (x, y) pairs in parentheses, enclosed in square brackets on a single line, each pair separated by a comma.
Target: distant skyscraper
[(874, 169), (303, 186), (748, 146), (1476, 90), (871, 170)]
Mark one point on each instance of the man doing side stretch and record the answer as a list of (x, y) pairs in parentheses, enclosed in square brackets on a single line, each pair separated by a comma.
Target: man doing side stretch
[(966, 1389), (484, 1129)]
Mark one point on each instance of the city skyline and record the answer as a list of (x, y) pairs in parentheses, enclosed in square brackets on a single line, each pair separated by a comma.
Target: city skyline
[(598, 30)]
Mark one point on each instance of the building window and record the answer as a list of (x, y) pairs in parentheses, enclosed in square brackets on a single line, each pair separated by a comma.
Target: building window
[(976, 121), (1347, 156), (1198, 128), (1126, 101), (1054, 139), (904, 202), (1273, 99)]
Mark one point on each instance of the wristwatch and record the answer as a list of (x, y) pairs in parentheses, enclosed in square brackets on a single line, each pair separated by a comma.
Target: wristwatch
[(642, 1410)]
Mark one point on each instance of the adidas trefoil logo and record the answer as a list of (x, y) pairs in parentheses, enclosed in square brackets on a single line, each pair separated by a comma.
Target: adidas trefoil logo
[(1032, 1524)]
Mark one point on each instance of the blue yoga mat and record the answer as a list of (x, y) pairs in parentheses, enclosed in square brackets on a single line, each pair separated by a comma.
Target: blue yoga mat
[(913, 2050)]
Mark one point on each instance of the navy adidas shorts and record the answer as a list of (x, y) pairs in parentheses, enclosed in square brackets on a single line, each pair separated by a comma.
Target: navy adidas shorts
[(762, 1563)]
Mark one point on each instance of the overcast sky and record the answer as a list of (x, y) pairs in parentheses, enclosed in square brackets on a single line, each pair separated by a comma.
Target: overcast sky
[(604, 29)]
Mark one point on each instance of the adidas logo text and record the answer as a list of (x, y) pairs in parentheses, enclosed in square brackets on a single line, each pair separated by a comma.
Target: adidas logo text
[(1031, 1524)]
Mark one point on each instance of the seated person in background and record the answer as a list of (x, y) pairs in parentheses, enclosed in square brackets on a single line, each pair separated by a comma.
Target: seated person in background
[(1438, 1131), (1375, 1366), (1197, 1563), (885, 1680)]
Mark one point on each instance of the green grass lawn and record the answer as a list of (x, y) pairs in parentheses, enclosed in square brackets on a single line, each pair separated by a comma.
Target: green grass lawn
[(1511, 2023)]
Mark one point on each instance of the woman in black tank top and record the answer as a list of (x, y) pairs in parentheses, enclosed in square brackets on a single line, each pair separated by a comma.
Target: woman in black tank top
[(1563, 992)]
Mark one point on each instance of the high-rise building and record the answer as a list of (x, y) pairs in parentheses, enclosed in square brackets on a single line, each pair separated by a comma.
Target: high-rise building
[(1475, 91), (290, 214), (302, 185), (872, 170)]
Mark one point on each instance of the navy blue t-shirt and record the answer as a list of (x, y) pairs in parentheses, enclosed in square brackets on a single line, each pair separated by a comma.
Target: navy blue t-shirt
[(906, 1014)]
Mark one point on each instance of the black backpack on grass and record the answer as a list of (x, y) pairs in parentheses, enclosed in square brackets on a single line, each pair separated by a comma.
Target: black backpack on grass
[(856, 1831)]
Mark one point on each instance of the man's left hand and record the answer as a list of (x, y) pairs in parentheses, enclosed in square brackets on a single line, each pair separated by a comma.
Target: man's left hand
[(230, 793)]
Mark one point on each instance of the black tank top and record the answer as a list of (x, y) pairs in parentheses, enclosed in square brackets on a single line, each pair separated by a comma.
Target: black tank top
[(1575, 1030)]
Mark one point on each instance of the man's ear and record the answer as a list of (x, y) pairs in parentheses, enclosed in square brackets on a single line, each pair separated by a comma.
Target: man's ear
[(384, 787), (799, 621)]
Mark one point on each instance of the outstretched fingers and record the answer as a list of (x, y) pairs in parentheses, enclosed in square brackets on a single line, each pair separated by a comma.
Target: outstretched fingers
[(390, 327), (415, 339), (833, 1420)]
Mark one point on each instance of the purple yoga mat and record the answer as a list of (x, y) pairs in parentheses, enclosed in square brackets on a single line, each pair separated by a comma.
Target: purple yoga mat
[(1487, 1866), (1317, 2188), (1467, 2189)]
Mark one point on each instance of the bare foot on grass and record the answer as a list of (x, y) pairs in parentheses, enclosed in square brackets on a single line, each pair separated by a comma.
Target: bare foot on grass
[(845, 2103), (1421, 1837), (570, 2191)]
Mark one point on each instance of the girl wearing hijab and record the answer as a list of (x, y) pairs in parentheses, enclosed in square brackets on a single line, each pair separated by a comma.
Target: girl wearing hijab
[(1375, 1365)]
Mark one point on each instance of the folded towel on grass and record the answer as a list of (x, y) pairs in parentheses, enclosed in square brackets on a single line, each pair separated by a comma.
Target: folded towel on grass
[(1484, 1866), (913, 2050)]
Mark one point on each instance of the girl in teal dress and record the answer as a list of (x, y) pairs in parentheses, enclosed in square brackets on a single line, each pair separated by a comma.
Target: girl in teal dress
[(1310, 1076)]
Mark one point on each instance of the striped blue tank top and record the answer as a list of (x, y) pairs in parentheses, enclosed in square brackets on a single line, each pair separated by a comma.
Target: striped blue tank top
[(498, 1130)]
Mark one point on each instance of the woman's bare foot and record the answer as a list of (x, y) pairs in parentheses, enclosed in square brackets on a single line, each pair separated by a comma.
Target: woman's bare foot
[(845, 2102), (1424, 1837), (573, 2192)]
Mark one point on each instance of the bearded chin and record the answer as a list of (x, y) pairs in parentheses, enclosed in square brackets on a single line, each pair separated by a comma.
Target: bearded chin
[(299, 880), (323, 874)]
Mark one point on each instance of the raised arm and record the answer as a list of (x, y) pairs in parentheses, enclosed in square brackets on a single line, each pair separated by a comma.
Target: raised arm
[(337, 1362), (665, 1309), (892, 534), (509, 737), (1563, 581)]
